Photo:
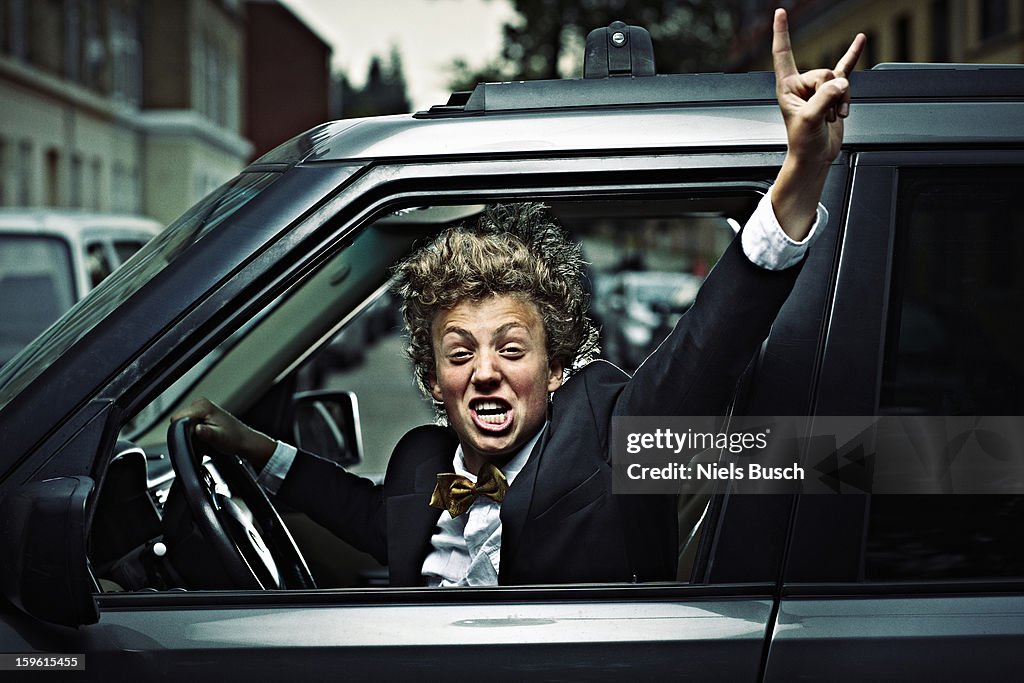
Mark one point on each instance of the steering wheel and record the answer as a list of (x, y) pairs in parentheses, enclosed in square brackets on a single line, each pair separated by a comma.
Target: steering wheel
[(237, 520)]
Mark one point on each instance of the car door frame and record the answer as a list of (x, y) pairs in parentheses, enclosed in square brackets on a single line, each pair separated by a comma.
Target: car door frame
[(830, 619)]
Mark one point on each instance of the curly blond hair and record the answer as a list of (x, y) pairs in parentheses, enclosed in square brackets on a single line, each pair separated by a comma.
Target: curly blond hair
[(513, 249)]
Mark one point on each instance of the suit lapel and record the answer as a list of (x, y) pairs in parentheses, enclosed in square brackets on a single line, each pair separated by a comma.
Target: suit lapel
[(411, 522), (555, 468), (516, 506)]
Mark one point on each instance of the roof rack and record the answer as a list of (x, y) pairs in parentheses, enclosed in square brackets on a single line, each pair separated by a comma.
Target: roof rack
[(589, 92), (884, 82)]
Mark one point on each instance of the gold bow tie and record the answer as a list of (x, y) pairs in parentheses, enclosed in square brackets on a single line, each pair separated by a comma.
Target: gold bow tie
[(456, 493)]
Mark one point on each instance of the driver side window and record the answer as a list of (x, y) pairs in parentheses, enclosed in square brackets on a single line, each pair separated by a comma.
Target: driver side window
[(341, 331)]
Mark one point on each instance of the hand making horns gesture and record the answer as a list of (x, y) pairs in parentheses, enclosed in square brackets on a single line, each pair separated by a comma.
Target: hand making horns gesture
[(813, 103), (813, 106)]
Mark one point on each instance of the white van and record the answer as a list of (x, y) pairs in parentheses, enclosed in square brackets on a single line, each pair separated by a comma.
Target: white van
[(50, 258)]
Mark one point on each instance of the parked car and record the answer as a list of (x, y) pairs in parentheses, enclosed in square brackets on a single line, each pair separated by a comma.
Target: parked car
[(101, 558), (639, 308), (50, 258)]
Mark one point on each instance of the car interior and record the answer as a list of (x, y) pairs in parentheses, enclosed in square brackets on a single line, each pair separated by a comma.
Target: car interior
[(147, 533)]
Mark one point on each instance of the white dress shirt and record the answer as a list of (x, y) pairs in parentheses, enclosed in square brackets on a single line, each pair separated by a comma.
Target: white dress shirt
[(467, 550)]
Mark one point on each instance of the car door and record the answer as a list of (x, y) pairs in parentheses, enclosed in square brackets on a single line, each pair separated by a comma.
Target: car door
[(925, 326), (711, 624)]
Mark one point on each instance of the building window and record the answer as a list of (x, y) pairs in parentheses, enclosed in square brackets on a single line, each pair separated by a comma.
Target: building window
[(52, 177), (995, 18), (126, 54), (97, 184), (72, 40), (903, 39), (17, 29), (233, 97), (216, 90), (870, 50), (136, 191), (24, 192), (75, 186), (121, 191), (4, 170), (940, 31), (212, 78), (94, 46)]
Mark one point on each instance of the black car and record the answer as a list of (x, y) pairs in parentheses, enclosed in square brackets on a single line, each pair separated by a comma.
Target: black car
[(909, 304)]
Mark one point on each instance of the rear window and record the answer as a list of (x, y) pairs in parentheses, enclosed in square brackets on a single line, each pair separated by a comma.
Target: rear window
[(36, 287), (953, 342), (954, 332)]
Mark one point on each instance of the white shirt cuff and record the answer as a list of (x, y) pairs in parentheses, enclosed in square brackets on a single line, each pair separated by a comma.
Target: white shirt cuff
[(273, 473), (766, 244)]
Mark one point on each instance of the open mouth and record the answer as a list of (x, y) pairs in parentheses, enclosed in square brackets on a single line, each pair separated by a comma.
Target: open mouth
[(491, 414)]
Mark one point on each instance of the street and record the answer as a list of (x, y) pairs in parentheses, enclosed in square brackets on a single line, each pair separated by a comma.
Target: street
[(389, 402)]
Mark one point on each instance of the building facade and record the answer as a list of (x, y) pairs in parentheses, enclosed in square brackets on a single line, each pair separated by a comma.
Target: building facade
[(283, 96), (128, 106), (946, 31)]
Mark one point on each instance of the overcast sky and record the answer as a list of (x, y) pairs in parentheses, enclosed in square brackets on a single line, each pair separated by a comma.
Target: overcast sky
[(428, 33)]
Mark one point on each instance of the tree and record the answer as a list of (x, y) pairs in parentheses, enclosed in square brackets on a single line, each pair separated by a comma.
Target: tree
[(383, 93), (547, 39)]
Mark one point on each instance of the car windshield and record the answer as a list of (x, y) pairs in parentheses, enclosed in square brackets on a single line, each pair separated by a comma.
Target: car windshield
[(126, 280), (36, 287)]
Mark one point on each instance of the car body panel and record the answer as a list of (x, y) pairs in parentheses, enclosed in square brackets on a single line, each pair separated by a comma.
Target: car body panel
[(706, 638), (898, 638), (710, 128)]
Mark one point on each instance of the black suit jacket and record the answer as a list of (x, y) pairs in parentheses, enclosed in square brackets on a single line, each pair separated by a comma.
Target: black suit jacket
[(560, 521)]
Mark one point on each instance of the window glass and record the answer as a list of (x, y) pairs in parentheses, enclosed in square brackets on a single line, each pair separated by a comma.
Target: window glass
[(952, 347), (940, 25), (36, 287), (637, 248), (954, 330), (924, 538), (643, 274), (125, 249), (902, 33), (5, 173), (97, 263), (995, 16), (18, 29)]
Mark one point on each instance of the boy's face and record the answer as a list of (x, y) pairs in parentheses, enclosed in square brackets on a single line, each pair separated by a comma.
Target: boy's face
[(492, 374)]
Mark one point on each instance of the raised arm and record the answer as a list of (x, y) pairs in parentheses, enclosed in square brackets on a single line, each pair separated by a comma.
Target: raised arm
[(813, 104), (694, 372)]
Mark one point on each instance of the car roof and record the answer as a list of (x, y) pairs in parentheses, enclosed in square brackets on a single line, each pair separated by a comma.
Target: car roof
[(893, 104), (72, 224)]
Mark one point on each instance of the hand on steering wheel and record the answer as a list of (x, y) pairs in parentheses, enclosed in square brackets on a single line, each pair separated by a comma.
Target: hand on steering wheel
[(239, 522)]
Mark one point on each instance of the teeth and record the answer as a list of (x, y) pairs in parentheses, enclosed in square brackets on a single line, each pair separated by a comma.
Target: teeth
[(490, 411)]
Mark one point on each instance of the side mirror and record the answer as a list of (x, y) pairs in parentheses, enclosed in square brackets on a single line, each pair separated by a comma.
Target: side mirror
[(327, 423), (45, 571)]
